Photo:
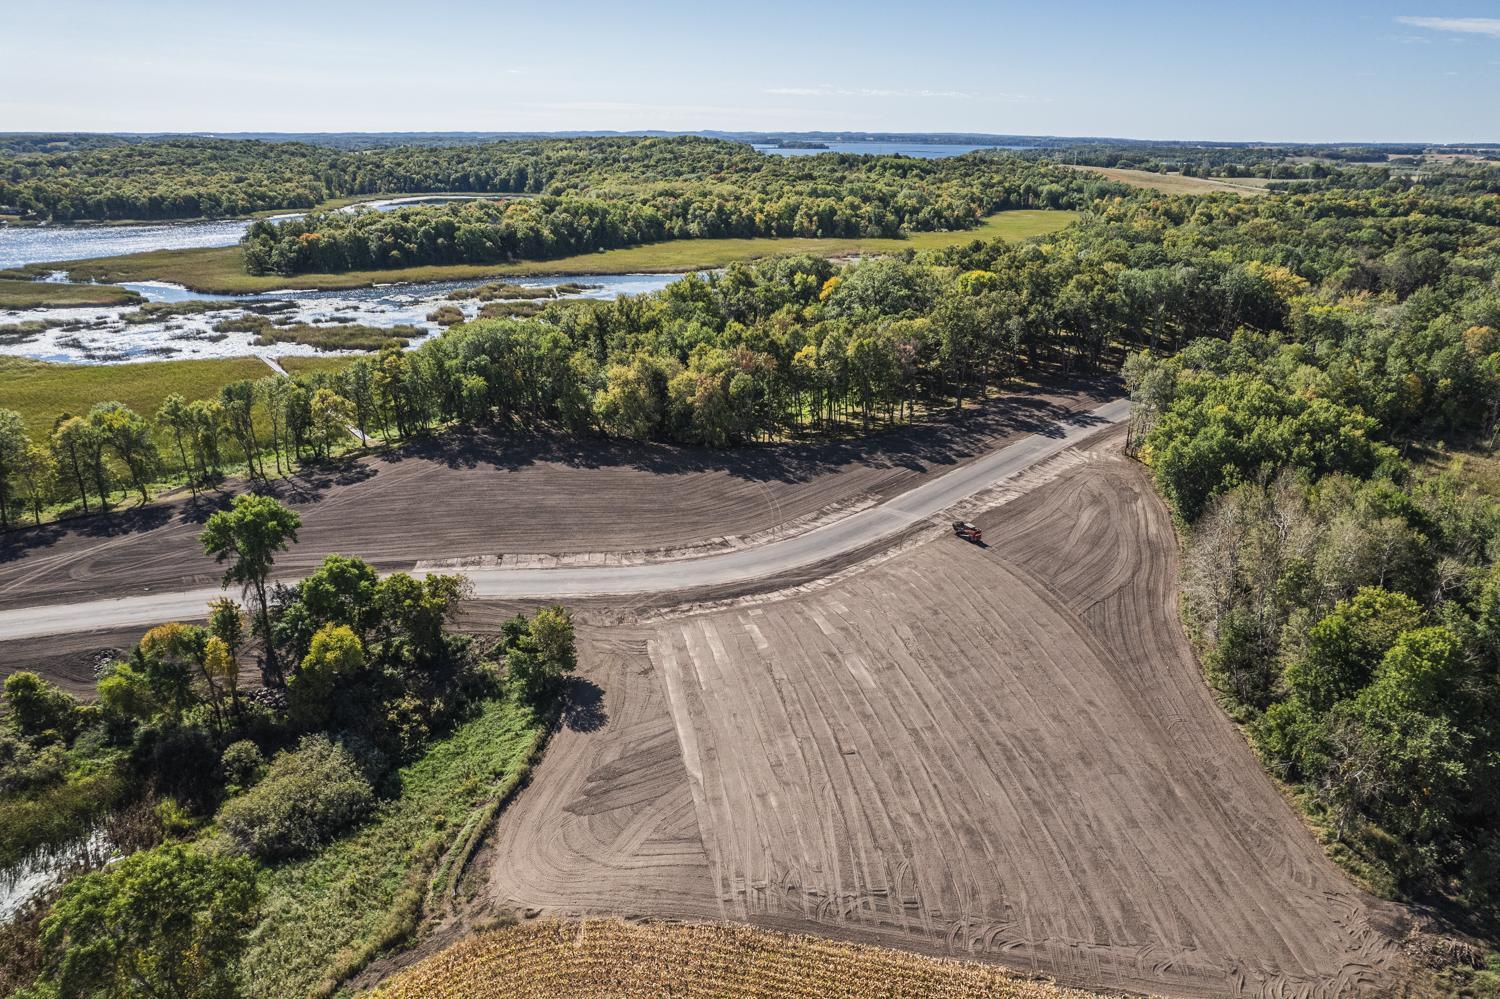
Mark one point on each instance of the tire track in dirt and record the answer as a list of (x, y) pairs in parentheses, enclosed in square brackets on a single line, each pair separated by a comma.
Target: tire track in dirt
[(628, 809), (1006, 753)]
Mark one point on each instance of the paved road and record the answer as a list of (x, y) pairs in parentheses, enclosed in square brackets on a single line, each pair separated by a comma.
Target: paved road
[(771, 559)]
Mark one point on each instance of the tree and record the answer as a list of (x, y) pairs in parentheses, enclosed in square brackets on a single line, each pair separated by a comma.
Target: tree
[(175, 414), (331, 416), (79, 448), (38, 476), (1343, 649), (418, 608), (168, 655), (13, 446), (334, 654), (37, 709), (358, 386), (207, 421), (226, 625), (341, 591), (238, 400), (167, 923), (226, 621), (129, 436), (273, 392), (539, 653), (248, 535)]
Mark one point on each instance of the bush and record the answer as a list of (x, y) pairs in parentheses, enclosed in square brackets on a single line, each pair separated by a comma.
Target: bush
[(305, 799), (179, 761), (242, 765), (38, 710)]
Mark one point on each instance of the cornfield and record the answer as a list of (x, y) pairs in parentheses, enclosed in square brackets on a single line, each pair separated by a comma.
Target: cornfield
[(603, 957)]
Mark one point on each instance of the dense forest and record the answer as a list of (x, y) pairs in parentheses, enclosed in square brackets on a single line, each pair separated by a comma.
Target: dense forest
[(99, 177), (188, 178), (1295, 361), (838, 196)]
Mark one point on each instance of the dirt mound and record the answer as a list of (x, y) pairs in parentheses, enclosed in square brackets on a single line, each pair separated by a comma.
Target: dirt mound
[(1004, 753)]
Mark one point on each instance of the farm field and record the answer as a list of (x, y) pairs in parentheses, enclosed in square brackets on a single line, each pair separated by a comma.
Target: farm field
[(1004, 753), (221, 270), (617, 959), (1174, 183)]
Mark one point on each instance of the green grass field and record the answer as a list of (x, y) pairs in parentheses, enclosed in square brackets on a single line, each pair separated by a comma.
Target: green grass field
[(312, 365), (50, 295), (1176, 183), (326, 916), (41, 392), (221, 270)]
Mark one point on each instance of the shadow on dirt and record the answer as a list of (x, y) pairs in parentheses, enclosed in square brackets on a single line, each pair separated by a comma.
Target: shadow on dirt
[(585, 710), (936, 441)]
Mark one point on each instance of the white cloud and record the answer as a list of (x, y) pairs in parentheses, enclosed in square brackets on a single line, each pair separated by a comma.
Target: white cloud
[(1459, 25)]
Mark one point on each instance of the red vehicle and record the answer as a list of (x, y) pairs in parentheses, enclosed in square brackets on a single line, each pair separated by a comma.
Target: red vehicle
[(967, 531)]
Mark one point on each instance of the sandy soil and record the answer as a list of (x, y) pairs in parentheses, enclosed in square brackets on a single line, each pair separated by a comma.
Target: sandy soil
[(1005, 753)]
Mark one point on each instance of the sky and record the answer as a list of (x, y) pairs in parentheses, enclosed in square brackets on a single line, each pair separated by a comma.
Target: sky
[(1332, 70)]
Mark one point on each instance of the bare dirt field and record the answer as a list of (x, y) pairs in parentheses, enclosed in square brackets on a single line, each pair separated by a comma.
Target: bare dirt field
[(1003, 753), (461, 496)]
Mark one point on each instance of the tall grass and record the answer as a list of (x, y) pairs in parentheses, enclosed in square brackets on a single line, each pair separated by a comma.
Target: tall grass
[(326, 916)]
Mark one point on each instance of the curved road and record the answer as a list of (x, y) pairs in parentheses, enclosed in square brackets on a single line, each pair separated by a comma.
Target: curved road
[(766, 560)]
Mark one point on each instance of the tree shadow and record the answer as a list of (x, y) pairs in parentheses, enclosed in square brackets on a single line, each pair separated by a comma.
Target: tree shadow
[(584, 711), (938, 440)]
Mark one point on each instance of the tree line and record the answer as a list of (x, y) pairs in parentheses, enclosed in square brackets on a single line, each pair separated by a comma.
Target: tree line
[(85, 462), (191, 178), (846, 197)]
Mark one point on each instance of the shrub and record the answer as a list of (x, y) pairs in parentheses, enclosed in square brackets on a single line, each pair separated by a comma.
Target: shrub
[(242, 765), (39, 710), (305, 799)]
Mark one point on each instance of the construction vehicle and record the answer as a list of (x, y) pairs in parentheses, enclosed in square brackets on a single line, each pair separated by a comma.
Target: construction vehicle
[(967, 531)]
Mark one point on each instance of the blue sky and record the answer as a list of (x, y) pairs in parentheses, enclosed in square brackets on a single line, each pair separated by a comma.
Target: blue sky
[(1335, 70)]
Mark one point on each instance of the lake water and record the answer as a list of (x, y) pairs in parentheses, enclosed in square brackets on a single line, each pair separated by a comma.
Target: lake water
[(101, 335), (39, 244)]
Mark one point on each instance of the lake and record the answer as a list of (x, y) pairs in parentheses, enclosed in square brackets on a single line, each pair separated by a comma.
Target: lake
[(39, 244)]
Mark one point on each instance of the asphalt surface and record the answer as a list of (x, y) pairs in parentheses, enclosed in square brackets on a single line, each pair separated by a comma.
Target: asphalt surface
[(855, 531)]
